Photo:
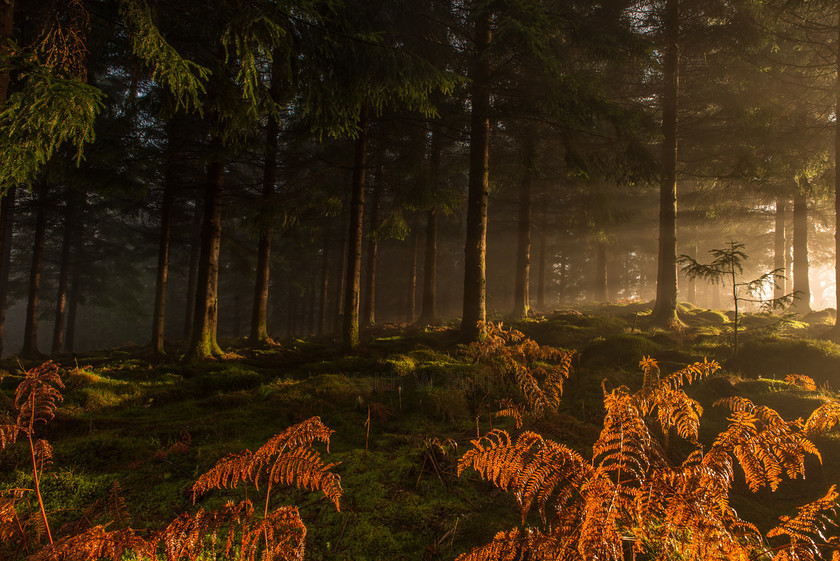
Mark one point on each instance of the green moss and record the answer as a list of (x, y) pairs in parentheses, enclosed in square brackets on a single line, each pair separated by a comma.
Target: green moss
[(776, 357), (618, 350)]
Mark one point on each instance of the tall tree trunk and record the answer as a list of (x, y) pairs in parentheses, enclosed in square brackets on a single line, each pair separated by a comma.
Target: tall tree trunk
[(30, 333), (428, 312), (541, 272), (7, 12), (837, 179), (259, 328), (692, 282), (167, 210), (522, 289), (601, 271), (801, 282), (350, 331), (369, 310), (64, 272), (475, 249), (411, 296), (75, 295), (563, 284), (779, 247), (665, 309), (203, 343), (192, 273), (7, 203), (325, 280), (341, 264)]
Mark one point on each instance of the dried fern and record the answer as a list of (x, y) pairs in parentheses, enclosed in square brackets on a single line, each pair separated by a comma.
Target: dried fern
[(801, 380), (810, 522), (286, 458), (94, 544), (825, 418)]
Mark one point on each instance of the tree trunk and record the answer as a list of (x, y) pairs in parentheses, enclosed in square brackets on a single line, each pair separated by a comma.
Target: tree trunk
[(779, 247), (7, 203), (7, 11), (325, 280), (159, 313), (369, 310), (541, 272), (475, 249), (837, 179), (192, 274), (665, 309), (30, 333), (692, 282), (259, 328), (203, 343), (75, 295), (522, 290), (801, 283), (411, 297), (428, 312), (341, 264), (601, 272), (64, 272), (350, 331)]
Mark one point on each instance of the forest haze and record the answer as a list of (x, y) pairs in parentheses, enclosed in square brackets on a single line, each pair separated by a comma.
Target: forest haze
[(184, 171)]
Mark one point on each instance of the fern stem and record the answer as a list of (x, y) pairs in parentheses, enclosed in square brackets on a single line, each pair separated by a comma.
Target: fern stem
[(22, 534), (38, 486)]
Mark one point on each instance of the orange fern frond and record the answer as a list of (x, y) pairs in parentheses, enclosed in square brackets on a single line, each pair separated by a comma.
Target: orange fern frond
[(625, 447), (285, 458), (823, 419), (801, 380), (765, 445), (282, 529), (691, 374), (810, 521), (38, 396), (185, 537), (506, 546), (533, 468), (650, 368), (94, 544), (507, 408)]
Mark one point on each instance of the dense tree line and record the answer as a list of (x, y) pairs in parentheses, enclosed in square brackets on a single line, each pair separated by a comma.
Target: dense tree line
[(189, 171)]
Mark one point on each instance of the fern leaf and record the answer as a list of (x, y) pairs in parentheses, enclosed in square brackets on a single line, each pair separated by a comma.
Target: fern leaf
[(822, 420), (282, 529), (810, 521), (532, 468), (506, 546), (801, 380), (38, 396), (94, 544)]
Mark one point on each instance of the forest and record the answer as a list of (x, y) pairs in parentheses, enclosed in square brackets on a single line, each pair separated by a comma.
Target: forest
[(474, 280)]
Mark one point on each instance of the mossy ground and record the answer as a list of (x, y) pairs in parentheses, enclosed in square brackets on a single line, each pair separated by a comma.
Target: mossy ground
[(124, 411)]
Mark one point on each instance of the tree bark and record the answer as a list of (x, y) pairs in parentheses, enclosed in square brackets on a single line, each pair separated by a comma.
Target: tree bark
[(665, 309), (341, 264), (64, 272), (75, 295), (779, 247), (325, 280), (192, 273), (411, 296), (7, 12), (601, 272), (837, 179), (203, 343), (801, 282), (428, 312), (159, 313), (7, 203), (259, 328), (522, 289), (30, 333), (369, 310), (692, 283), (475, 249), (350, 331), (541, 272)]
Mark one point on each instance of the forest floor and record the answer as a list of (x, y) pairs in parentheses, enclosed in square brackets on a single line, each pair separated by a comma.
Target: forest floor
[(397, 405)]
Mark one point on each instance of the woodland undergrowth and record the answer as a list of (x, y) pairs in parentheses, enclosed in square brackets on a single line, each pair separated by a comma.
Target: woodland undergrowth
[(649, 489), (237, 530)]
